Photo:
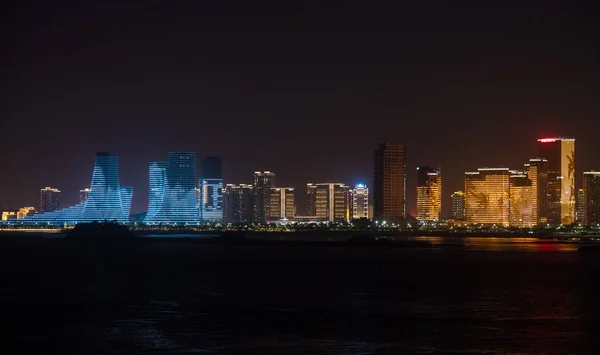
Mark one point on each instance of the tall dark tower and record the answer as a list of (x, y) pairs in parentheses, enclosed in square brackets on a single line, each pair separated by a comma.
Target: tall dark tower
[(263, 182), (389, 183)]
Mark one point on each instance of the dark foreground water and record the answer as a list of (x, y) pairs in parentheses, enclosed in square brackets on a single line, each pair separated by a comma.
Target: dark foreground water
[(183, 298)]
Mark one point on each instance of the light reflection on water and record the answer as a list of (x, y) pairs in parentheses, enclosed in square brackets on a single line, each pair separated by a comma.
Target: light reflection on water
[(503, 244)]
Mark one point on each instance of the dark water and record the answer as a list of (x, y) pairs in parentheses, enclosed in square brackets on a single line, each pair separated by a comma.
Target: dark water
[(184, 298)]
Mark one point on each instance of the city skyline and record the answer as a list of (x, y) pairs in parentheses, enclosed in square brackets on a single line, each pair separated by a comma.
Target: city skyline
[(445, 81)]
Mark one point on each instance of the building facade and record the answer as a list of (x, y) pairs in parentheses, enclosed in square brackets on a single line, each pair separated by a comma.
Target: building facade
[(523, 212), (457, 208), (487, 196), (238, 203), (25, 212), (84, 194), (282, 204), (389, 183), (560, 154), (49, 199), (429, 193), (211, 190), (263, 182), (175, 202), (537, 172), (108, 200), (360, 202), (331, 201), (591, 198)]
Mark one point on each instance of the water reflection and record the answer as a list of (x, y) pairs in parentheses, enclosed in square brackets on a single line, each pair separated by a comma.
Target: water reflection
[(502, 244)]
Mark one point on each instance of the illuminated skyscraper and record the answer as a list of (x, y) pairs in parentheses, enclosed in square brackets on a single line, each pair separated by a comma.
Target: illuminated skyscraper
[(591, 196), (84, 194), (429, 193), (580, 205), (360, 202), (389, 185), (49, 199), (263, 182), (560, 153), (107, 200), (537, 172), (282, 204), (331, 201), (211, 189), (487, 193), (176, 202), (523, 213), (457, 201), (238, 203)]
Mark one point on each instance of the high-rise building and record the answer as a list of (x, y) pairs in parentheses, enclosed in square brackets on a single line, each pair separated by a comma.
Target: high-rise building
[(263, 182), (487, 193), (580, 205), (523, 213), (360, 201), (158, 175), (537, 172), (282, 204), (84, 194), (176, 202), (238, 203), (429, 193), (389, 183), (211, 189), (591, 197), (49, 199), (560, 153), (25, 211), (311, 199), (108, 200), (457, 208), (331, 201)]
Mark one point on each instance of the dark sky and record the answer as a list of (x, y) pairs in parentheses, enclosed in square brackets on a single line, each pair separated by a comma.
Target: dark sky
[(305, 89)]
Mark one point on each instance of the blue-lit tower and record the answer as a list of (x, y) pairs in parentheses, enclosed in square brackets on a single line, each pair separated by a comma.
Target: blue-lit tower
[(178, 204), (158, 171), (211, 190), (107, 200)]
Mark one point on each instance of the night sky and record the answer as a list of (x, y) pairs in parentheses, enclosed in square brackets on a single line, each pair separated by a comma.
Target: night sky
[(306, 89)]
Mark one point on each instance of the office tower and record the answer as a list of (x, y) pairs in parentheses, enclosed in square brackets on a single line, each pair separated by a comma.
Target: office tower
[(238, 203), (457, 201), (360, 202), (84, 194), (107, 199), (560, 153), (389, 185), (49, 199), (25, 211), (331, 201), (580, 205), (429, 193), (282, 204), (591, 198), (523, 213), (537, 172), (311, 199), (487, 194), (157, 171), (263, 182), (211, 190), (178, 202)]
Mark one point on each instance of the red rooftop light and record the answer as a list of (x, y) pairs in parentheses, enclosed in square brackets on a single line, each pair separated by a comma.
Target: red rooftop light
[(547, 140)]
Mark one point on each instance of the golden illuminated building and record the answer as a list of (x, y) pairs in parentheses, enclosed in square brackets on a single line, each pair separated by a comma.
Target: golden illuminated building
[(25, 211), (487, 193), (560, 153), (329, 201), (523, 213), (282, 204), (6, 215), (537, 172), (457, 208), (429, 193)]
